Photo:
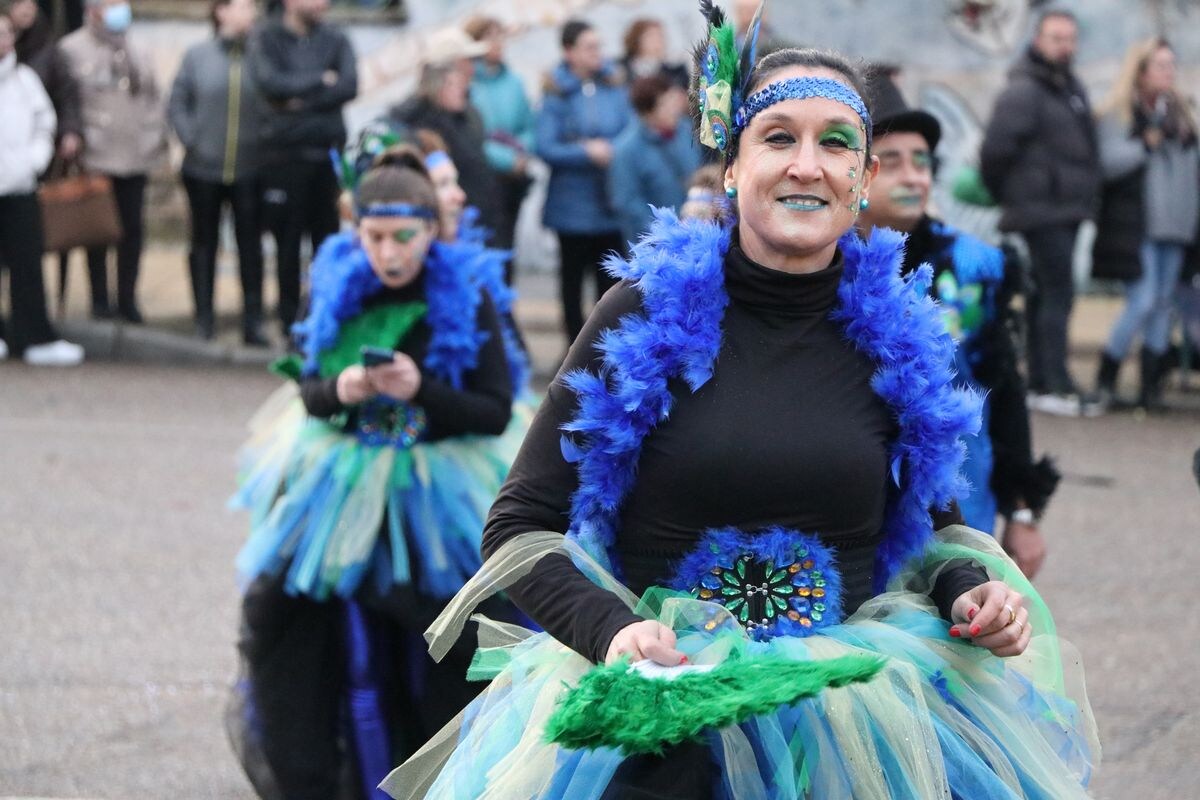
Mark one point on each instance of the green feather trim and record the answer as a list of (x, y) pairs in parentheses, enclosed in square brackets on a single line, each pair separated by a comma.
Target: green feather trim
[(381, 326), (615, 706), (728, 57)]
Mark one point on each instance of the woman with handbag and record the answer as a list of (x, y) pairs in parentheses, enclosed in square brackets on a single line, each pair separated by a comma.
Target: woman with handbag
[(26, 144), (124, 136)]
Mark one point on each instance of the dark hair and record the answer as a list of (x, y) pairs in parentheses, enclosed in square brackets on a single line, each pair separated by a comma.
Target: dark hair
[(572, 30), (645, 92), (633, 35), (779, 60), (1051, 13), (398, 175)]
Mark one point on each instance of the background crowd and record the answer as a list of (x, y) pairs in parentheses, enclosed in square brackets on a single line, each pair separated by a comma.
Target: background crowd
[(258, 107)]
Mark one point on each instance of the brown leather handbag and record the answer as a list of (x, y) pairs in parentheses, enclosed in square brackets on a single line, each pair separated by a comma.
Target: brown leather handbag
[(78, 210)]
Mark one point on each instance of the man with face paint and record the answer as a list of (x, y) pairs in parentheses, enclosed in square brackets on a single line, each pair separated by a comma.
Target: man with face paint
[(124, 133), (970, 283)]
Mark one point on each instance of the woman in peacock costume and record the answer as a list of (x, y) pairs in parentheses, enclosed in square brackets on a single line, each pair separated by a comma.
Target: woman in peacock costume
[(733, 516), (367, 478)]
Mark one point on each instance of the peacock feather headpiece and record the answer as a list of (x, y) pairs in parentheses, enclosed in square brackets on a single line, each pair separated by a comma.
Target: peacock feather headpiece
[(722, 75), (356, 160)]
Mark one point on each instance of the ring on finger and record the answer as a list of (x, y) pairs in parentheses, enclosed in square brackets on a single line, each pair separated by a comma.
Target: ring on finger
[(1012, 615)]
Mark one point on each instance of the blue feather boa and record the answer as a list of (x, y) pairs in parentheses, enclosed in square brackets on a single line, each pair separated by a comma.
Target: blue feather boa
[(489, 268), (975, 261), (455, 276), (678, 268)]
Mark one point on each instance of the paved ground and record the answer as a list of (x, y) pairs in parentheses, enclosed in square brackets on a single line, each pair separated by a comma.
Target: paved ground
[(116, 643)]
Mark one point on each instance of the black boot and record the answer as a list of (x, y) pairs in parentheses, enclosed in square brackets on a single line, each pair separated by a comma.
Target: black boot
[(252, 331), (1106, 381), (1150, 397), (202, 295), (97, 268), (206, 327)]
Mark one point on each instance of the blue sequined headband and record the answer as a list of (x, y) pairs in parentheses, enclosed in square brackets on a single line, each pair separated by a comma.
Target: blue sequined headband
[(801, 89), (397, 210)]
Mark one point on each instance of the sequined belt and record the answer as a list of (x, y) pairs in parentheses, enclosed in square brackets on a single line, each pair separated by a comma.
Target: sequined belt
[(389, 422), (775, 582)]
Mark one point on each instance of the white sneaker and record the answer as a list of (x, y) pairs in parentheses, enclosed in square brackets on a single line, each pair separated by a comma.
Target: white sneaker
[(3, 350), (1059, 405), (54, 354)]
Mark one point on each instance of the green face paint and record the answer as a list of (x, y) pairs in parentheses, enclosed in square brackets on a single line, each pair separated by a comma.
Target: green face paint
[(842, 135), (405, 235)]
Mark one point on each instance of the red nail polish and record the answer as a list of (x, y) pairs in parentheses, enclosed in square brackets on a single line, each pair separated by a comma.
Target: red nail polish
[(683, 660), (975, 630), (971, 613), (955, 633)]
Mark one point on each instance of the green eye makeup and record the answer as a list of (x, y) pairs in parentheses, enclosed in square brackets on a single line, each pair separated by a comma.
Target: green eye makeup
[(844, 136), (405, 236)]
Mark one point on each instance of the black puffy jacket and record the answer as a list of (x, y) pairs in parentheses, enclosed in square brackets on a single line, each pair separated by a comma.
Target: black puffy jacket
[(1039, 157)]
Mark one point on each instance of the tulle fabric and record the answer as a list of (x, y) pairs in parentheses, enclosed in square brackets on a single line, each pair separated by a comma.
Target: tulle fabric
[(318, 499), (944, 719)]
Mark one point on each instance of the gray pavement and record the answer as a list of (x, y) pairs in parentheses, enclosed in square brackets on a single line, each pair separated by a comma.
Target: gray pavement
[(117, 637)]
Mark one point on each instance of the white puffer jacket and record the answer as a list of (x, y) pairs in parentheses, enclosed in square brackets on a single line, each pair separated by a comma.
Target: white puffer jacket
[(27, 133)]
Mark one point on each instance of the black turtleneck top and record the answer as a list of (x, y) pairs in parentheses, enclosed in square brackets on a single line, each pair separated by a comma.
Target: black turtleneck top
[(787, 432)]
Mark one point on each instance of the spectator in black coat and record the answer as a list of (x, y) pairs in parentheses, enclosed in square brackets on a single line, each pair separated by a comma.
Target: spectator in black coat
[(1039, 160), (306, 71), (65, 15), (442, 104)]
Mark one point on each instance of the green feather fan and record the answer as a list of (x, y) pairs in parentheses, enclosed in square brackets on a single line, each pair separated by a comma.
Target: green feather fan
[(617, 706)]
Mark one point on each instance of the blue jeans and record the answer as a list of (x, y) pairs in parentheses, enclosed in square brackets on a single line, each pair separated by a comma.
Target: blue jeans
[(1148, 301)]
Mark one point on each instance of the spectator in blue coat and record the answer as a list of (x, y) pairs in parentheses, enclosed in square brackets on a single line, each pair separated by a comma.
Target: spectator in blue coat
[(498, 94), (654, 157), (584, 108)]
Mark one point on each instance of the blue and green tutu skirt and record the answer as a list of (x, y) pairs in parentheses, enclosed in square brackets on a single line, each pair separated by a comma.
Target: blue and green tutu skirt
[(331, 507), (880, 705)]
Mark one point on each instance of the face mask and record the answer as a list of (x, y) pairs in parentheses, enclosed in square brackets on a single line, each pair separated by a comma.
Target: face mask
[(117, 19)]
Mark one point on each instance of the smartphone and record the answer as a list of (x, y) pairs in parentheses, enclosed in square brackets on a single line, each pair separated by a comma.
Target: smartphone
[(375, 356)]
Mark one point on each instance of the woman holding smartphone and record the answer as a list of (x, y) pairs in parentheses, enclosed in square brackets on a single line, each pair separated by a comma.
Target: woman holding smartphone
[(368, 480)]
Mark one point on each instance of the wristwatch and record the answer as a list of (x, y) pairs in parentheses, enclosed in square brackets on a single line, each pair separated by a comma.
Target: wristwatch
[(1024, 516)]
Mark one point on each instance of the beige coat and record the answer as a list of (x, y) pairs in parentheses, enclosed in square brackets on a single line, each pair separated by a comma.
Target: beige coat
[(124, 125)]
